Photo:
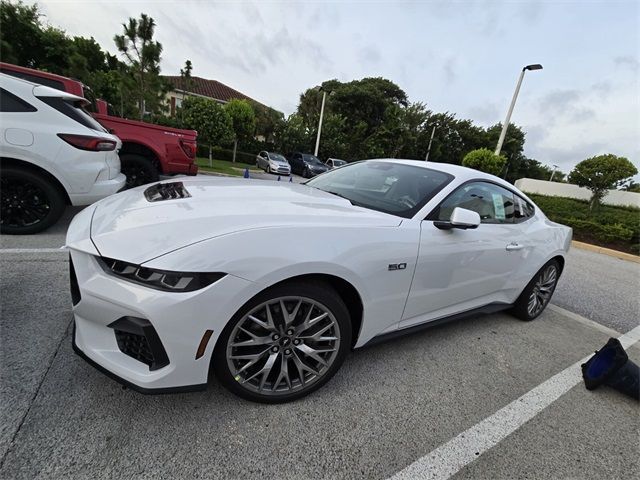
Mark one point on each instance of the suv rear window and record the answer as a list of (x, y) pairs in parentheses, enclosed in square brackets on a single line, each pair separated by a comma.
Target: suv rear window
[(74, 110)]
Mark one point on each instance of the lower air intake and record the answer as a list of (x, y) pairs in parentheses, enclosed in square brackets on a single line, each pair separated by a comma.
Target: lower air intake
[(137, 338)]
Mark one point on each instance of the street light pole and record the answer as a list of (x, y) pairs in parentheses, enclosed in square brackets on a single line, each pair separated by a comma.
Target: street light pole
[(433, 132), (555, 167), (324, 97), (503, 133)]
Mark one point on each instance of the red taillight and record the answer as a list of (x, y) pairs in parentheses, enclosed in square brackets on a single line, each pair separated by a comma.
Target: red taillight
[(84, 142), (189, 148)]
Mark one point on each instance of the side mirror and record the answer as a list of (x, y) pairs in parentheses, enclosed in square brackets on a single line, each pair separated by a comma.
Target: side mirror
[(460, 218)]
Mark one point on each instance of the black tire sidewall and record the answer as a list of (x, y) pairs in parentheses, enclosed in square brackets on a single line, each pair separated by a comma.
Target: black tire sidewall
[(319, 291), (55, 197), (151, 172), (520, 306)]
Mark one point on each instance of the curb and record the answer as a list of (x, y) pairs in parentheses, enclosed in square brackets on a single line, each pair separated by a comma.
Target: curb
[(605, 251)]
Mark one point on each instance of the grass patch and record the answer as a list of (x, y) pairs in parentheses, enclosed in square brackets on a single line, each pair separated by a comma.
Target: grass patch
[(606, 226), (224, 167)]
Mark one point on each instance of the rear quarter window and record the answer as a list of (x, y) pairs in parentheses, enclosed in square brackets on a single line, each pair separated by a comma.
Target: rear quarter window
[(10, 103)]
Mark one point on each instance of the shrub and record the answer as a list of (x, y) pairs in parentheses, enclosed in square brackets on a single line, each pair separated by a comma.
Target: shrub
[(618, 227), (484, 160)]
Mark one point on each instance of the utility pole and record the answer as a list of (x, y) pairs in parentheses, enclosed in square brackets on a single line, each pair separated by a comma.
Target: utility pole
[(555, 167), (433, 132)]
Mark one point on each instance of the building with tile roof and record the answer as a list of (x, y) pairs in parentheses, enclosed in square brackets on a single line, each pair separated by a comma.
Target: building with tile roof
[(201, 87)]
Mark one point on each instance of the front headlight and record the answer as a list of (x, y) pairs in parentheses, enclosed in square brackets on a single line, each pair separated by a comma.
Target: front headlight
[(165, 280)]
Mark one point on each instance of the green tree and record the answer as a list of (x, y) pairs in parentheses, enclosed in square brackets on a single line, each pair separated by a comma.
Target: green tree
[(210, 119), (268, 121), (142, 55), (20, 33), (243, 121), (292, 135), (602, 173), (484, 160)]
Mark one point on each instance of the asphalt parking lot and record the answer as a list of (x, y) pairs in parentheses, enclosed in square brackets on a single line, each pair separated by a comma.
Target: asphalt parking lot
[(487, 397)]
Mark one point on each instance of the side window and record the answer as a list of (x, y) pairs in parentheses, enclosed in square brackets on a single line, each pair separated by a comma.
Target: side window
[(523, 209), (493, 203), (10, 103)]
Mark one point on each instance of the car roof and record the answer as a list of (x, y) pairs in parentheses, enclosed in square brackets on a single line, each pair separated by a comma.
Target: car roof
[(458, 171), (39, 90)]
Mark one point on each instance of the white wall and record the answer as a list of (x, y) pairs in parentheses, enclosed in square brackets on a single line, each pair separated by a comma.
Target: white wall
[(555, 189)]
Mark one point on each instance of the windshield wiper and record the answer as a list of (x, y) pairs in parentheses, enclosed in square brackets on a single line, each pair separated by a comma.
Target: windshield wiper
[(353, 202)]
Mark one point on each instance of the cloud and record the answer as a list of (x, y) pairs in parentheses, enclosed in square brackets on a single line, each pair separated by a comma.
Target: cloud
[(627, 61)]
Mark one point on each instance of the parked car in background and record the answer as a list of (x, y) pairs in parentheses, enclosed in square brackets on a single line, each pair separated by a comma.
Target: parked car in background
[(334, 163), (272, 162), (305, 164), (293, 277), (52, 153), (147, 151)]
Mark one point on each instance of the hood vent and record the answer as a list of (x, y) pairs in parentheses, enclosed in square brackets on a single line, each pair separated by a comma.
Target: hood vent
[(166, 191)]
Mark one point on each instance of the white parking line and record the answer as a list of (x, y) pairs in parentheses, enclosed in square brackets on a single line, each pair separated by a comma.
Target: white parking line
[(585, 321), (33, 250), (449, 458)]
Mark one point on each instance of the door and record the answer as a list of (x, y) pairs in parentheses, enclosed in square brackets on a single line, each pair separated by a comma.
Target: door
[(458, 270)]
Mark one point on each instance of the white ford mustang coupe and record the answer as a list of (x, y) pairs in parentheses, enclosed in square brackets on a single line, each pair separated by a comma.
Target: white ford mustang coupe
[(268, 285)]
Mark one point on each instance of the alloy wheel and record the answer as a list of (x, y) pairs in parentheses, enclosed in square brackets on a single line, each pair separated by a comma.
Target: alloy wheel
[(23, 203), (542, 290), (283, 345)]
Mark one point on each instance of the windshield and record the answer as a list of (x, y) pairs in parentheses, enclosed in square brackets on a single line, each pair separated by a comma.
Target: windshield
[(277, 157), (388, 187), (311, 158)]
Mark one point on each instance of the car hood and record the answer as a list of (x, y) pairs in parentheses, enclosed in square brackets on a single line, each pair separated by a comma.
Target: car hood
[(128, 227)]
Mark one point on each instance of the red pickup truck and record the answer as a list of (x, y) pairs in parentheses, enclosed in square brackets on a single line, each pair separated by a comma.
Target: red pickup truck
[(148, 150)]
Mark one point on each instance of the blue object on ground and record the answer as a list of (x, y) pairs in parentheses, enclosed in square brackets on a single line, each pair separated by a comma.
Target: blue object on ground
[(246, 173), (611, 366)]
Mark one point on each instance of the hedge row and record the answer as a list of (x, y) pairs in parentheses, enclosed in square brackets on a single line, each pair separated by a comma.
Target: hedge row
[(609, 226)]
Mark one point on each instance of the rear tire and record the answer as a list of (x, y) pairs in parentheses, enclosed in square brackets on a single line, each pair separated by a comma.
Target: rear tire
[(537, 294), (139, 170), (285, 345), (30, 203)]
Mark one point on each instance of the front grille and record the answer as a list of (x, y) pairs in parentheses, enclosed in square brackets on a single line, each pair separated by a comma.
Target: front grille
[(137, 339), (73, 284)]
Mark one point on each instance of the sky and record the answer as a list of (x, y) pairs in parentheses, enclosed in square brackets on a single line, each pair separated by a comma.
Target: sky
[(463, 57)]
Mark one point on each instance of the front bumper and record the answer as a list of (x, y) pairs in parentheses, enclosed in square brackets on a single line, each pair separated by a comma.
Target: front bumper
[(179, 320)]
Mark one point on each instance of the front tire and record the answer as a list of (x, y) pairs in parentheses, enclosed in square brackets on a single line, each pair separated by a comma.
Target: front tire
[(29, 202), (139, 170), (538, 292), (284, 343)]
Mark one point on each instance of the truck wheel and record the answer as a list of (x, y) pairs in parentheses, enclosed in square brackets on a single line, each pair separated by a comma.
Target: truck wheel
[(29, 202), (139, 170)]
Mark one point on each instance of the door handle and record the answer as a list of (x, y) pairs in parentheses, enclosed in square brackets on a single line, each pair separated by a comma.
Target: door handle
[(514, 246)]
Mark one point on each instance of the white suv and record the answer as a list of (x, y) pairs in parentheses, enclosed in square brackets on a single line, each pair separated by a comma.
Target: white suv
[(52, 153)]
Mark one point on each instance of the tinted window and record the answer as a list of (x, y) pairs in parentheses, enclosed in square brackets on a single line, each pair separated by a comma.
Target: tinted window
[(494, 204), (388, 187), (311, 158), (35, 79), (74, 111), (523, 209), (10, 103)]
